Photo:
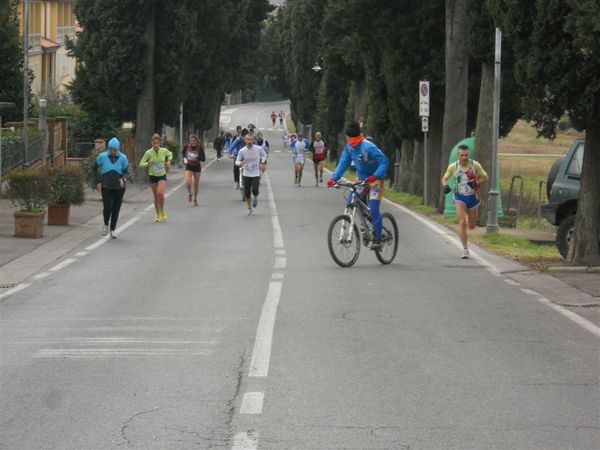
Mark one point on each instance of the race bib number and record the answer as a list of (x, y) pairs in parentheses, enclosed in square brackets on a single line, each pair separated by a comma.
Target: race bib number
[(465, 189), (193, 155), (158, 167), (252, 167), (300, 159)]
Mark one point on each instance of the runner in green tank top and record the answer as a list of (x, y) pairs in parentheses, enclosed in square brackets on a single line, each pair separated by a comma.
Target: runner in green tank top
[(158, 161)]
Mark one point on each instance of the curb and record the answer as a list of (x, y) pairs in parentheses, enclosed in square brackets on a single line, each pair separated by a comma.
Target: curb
[(574, 269)]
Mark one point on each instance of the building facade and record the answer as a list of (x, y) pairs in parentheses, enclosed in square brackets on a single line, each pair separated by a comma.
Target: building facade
[(50, 23)]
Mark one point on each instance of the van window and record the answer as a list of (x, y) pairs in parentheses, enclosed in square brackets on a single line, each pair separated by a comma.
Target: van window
[(574, 169)]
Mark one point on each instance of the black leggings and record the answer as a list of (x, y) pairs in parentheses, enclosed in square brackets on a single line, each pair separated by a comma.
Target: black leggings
[(112, 200), (251, 184), (236, 172)]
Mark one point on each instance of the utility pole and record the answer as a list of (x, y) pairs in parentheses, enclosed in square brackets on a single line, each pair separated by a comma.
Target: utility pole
[(25, 81), (424, 113), (180, 134), (493, 193)]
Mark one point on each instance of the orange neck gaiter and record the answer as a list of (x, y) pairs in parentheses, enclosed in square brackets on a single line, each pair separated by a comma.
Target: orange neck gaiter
[(354, 141)]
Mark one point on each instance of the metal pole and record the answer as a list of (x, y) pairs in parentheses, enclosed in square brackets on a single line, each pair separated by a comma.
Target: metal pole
[(396, 168), (493, 193), (26, 82), (425, 164), (43, 128), (180, 134)]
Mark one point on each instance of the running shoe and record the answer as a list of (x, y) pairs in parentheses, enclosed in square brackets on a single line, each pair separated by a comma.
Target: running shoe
[(465, 254), (236, 186), (163, 215), (113, 234), (189, 198), (317, 184), (104, 230), (321, 179), (255, 202), (157, 218), (249, 213), (376, 244), (195, 202)]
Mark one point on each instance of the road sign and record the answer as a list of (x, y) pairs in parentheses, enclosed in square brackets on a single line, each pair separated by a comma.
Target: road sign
[(424, 98), (424, 124)]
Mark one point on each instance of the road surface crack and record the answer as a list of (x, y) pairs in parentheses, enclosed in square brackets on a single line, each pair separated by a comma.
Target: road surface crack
[(126, 424)]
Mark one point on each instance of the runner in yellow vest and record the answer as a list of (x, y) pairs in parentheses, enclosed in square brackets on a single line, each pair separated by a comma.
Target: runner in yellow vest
[(158, 161)]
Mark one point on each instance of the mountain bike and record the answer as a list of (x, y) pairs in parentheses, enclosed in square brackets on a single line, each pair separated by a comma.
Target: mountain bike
[(348, 230)]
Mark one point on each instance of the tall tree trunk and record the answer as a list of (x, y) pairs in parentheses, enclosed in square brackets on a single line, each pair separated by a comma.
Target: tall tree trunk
[(416, 171), (406, 156), (359, 92), (586, 247), (435, 166), (485, 134), (457, 78), (144, 122)]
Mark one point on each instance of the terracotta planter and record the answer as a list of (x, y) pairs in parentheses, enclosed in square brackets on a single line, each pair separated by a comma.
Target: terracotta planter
[(59, 214), (29, 224)]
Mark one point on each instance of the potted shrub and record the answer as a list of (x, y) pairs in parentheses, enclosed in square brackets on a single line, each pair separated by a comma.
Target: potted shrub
[(66, 186), (30, 191)]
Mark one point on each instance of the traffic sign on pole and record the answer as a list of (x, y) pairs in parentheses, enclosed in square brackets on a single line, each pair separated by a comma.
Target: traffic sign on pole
[(424, 98), (424, 124)]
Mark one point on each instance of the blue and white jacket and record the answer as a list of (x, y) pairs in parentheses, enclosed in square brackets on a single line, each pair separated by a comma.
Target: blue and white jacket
[(236, 146), (367, 158), (111, 169)]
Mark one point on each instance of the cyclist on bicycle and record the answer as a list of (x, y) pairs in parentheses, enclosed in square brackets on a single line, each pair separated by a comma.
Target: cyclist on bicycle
[(371, 165)]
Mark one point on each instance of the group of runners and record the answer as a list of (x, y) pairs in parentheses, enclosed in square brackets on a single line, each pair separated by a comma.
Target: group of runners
[(250, 154)]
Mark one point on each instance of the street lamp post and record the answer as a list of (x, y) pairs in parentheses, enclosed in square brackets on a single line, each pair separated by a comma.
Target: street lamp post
[(43, 128), (25, 81)]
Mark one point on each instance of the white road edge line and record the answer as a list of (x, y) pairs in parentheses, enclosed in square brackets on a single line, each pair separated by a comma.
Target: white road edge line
[(41, 276), (591, 327), (252, 403), (14, 290), (62, 265), (247, 440), (582, 322)]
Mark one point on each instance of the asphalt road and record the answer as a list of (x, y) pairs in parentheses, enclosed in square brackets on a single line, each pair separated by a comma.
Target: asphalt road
[(217, 330)]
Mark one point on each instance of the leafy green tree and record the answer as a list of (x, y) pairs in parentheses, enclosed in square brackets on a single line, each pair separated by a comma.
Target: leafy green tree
[(557, 46), (11, 62)]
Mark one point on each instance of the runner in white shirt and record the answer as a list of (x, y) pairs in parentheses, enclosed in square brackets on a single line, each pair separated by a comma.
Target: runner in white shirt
[(253, 158), (299, 147)]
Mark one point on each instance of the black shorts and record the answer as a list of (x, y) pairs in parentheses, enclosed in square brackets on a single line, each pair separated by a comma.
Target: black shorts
[(154, 180), (195, 169)]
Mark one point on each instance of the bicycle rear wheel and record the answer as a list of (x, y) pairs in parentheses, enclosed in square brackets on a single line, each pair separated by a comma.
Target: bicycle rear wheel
[(389, 239), (343, 241)]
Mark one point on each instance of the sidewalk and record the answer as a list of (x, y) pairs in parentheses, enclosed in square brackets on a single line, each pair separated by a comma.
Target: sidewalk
[(22, 258)]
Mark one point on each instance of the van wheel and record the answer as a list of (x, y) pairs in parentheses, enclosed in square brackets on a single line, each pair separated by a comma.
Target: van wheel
[(564, 235), (552, 175)]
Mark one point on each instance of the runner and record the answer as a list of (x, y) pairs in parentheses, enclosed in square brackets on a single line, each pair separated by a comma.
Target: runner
[(299, 147), (111, 170), (253, 158), (469, 175), (218, 144), (281, 116), (193, 154), (273, 117), (264, 144), (158, 160), (319, 150), (232, 151), (285, 138)]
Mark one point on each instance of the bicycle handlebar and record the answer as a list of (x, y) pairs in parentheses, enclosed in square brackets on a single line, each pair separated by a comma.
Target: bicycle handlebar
[(349, 184)]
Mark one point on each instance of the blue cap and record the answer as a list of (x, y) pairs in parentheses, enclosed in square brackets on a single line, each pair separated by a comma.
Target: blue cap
[(114, 143)]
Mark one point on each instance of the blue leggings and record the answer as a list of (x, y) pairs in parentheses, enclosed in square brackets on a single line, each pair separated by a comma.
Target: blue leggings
[(376, 217)]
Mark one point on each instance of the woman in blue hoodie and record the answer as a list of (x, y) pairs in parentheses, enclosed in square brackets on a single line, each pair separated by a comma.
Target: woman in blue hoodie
[(111, 169)]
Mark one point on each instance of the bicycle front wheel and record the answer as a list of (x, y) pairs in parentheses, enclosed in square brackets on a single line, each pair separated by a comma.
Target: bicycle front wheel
[(389, 239), (343, 241)]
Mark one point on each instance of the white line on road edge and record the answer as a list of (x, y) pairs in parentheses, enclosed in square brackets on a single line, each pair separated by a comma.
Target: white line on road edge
[(62, 265), (17, 288), (495, 271), (571, 315), (261, 354), (97, 244), (41, 276), (245, 441), (252, 403), (79, 254)]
